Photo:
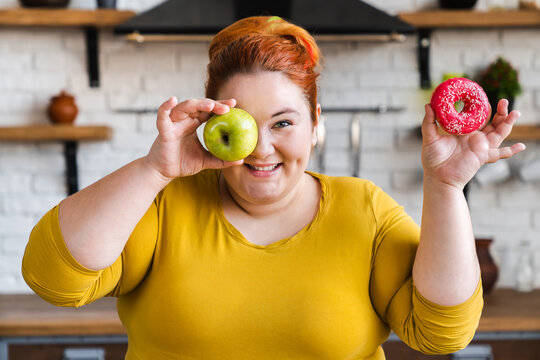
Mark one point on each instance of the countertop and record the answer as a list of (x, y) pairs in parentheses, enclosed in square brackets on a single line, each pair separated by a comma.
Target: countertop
[(27, 315), (24, 315)]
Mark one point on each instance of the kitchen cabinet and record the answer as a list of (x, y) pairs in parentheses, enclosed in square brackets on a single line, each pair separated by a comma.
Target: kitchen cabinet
[(510, 324), (30, 328), (500, 349), (89, 20)]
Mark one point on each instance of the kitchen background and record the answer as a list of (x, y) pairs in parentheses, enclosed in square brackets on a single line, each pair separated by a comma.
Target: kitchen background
[(37, 63)]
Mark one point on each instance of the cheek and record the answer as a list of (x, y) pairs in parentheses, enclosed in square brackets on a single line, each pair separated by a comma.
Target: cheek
[(299, 149), (232, 174)]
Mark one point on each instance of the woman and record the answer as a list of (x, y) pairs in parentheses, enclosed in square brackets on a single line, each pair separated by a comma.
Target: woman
[(259, 259)]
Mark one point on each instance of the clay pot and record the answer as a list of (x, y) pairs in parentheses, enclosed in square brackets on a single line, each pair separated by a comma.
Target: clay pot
[(488, 267), (62, 109)]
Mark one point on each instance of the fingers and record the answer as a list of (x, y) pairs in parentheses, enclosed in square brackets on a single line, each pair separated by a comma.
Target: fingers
[(228, 102), (192, 108), (222, 107), (502, 107), (189, 114), (503, 127), (429, 125), (200, 109), (163, 113), (505, 152), (501, 112)]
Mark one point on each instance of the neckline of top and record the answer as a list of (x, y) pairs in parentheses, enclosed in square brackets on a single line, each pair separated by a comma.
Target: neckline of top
[(238, 236)]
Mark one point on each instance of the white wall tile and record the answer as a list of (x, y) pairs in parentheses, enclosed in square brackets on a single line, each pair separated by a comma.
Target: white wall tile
[(37, 63)]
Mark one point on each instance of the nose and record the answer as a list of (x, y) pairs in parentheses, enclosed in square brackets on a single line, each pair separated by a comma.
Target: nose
[(264, 145)]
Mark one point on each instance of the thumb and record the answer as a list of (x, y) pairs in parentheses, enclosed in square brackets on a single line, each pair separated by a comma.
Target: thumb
[(212, 162), (429, 125)]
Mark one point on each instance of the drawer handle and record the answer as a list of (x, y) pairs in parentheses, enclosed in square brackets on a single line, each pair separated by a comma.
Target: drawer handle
[(83, 354)]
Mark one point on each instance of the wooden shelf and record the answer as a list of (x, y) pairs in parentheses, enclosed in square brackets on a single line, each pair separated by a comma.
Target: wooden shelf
[(89, 20), (426, 21), (63, 17), (472, 19), (525, 132), (70, 135), (34, 133)]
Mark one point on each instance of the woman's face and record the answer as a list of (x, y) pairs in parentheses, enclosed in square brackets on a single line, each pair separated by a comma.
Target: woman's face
[(286, 136)]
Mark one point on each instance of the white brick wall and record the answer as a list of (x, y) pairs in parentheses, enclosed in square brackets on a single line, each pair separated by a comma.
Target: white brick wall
[(36, 64)]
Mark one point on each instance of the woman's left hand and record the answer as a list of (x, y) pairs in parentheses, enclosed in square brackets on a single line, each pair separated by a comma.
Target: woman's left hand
[(455, 159)]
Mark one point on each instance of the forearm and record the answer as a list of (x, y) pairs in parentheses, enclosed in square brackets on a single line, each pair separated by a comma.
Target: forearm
[(446, 269), (97, 221)]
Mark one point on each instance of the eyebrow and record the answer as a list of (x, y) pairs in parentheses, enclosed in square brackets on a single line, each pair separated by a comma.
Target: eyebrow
[(285, 111)]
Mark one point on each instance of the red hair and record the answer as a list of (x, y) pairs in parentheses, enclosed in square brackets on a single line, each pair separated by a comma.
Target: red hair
[(265, 43)]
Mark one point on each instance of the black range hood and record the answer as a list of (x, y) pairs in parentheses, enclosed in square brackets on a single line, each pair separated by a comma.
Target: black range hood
[(319, 17)]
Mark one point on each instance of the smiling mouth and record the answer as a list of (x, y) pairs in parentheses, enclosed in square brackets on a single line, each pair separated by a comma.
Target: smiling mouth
[(262, 168)]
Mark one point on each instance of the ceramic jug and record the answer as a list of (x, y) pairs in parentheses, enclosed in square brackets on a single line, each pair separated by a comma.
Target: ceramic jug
[(488, 268), (62, 109)]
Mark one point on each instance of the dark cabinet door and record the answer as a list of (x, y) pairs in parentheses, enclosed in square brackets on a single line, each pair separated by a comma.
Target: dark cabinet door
[(501, 350), (56, 351)]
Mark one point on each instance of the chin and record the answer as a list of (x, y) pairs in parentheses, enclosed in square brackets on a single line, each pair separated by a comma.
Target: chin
[(262, 197)]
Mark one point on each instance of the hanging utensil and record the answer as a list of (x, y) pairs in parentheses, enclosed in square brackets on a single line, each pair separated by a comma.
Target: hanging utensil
[(321, 144)]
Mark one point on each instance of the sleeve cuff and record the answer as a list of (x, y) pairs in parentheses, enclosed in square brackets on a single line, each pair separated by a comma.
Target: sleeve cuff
[(430, 307), (432, 328), (51, 271), (61, 248)]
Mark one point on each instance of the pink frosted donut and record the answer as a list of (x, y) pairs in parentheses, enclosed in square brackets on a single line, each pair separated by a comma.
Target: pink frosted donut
[(475, 110)]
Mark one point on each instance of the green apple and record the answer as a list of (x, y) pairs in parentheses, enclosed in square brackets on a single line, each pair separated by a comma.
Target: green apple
[(231, 136)]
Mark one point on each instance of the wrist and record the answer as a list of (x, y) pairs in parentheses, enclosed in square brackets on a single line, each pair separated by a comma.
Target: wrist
[(431, 183), (157, 179)]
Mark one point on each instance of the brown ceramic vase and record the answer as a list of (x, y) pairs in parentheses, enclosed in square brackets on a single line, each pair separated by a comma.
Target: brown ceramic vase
[(488, 267), (62, 109)]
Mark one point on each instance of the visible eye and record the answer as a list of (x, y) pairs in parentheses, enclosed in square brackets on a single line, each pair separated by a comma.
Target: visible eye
[(282, 124)]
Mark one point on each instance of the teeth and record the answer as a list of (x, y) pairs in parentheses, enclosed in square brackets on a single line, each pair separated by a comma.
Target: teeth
[(264, 168)]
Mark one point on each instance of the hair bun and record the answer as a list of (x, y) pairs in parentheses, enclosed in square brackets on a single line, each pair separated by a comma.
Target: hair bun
[(266, 26)]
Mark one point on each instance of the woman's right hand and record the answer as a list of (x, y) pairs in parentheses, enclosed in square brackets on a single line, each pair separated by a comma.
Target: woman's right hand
[(177, 151)]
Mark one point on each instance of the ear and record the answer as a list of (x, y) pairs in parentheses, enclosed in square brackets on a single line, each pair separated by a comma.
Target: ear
[(315, 126)]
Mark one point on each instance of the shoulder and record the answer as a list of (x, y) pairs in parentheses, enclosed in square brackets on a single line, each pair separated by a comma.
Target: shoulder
[(198, 182), (201, 179), (346, 186), (190, 189), (357, 195)]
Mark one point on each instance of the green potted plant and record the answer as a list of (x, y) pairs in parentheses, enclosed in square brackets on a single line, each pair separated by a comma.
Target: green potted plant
[(500, 81)]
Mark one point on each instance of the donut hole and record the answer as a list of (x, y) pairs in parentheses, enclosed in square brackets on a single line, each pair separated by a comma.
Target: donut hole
[(459, 105)]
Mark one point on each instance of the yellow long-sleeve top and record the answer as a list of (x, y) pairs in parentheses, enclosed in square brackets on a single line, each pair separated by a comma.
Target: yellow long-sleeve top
[(190, 286)]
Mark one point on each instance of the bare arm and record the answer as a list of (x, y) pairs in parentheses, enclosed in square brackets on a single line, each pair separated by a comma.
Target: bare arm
[(97, 221), (446, 269)]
